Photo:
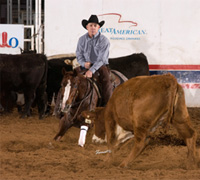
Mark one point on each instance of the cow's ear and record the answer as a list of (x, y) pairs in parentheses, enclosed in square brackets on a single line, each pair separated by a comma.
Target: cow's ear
[(85, 113), (91, 113), (97, 109)]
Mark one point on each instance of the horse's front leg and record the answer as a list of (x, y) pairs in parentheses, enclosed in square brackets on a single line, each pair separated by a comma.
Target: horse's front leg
[(64, 125)]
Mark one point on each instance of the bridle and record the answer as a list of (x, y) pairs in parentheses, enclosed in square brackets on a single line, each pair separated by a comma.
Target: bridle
[(89, 93)]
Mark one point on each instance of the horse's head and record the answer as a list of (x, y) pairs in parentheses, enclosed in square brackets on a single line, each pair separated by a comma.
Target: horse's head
[(72, 88), (69, 91)]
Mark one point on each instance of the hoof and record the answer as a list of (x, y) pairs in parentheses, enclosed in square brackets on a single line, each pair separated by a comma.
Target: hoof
[(1, 109), (23, 116), (47, 114), (42, 116), (57, 138)]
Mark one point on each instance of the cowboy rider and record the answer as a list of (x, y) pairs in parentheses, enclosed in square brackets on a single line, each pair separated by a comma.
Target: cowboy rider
[(92, 54)]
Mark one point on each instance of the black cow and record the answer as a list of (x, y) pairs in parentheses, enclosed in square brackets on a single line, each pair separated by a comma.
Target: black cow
[(25, 73), (130, 66)]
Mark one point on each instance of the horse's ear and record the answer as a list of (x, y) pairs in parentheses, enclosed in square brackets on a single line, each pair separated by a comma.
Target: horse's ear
[(78, 71), (64, 71), (75, 72)]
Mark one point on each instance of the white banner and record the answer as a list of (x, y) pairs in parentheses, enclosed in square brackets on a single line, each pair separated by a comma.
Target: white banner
[(167, 32), (11, 38)]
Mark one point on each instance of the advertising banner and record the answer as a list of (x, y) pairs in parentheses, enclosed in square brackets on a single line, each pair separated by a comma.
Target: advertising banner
[(11, 38), (165, 31)]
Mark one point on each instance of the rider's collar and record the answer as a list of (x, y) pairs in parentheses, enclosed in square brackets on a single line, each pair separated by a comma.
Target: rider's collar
[(94, 35)]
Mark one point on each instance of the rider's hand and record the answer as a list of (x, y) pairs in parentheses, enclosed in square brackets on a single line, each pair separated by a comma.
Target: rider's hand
[(88, 74), (87, 65)]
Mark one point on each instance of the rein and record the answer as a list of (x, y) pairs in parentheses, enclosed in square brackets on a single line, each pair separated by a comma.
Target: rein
[(86, 96)]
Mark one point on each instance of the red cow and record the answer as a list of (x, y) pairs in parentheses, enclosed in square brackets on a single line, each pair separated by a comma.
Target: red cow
[(139, 105)]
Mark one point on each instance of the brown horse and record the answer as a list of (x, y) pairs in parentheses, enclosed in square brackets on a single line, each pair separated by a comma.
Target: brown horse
[(77, 94)]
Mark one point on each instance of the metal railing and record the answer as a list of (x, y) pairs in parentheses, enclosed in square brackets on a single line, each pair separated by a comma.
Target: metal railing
[(31, 39)]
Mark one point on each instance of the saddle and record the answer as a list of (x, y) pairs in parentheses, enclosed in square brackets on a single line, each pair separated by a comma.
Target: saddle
[(116, 79)]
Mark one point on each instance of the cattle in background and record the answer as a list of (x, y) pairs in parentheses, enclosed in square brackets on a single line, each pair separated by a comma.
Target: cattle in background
[(140, 105), (25, 73), (130, 66)]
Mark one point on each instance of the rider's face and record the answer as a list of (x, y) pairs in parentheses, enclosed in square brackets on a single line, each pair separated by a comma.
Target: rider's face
[(92, 29)]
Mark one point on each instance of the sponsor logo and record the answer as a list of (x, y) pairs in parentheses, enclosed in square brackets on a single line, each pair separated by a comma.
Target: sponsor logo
[(13, 42), (128, 33)]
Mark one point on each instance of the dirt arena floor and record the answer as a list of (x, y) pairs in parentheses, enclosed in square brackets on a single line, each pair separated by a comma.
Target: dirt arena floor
[(28, 152)]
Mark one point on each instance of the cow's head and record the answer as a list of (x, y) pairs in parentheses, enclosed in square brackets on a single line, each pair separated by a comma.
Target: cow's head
[(96, 117)]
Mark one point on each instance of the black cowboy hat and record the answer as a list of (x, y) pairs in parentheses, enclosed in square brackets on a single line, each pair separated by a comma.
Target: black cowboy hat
[(92, 19)]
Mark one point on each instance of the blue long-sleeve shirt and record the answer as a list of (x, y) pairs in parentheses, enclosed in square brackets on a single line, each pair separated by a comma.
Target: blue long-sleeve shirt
[(94, 50)]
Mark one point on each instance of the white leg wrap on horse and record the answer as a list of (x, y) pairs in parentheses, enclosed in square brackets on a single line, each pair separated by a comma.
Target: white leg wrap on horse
[(82, 136)]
